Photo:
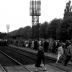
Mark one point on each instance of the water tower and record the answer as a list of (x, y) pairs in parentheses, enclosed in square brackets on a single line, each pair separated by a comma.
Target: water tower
[(35, 12)]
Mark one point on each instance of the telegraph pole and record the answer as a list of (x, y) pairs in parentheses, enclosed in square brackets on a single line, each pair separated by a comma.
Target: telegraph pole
[(35, 12)]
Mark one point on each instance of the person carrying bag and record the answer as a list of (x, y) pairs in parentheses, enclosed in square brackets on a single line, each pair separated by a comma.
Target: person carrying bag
[(68, 55)]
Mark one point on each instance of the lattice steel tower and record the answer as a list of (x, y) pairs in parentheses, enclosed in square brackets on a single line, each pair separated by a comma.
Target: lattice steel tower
[(8, 27), (35, 12)]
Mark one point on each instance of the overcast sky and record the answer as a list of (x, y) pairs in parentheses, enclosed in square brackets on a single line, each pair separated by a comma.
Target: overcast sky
[(16, 12)]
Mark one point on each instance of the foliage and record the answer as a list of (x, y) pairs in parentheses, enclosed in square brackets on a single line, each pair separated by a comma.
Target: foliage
[(57, 29), (24, 33), (43, 30), (53, 27)]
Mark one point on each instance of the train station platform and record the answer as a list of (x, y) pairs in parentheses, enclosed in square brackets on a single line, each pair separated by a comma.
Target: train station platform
[(50, 68), (50, 55), (31, 68), (54, 56)]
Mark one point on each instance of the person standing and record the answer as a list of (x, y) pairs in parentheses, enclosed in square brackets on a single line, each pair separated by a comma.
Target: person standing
[(40, 58), (36, 45), (60, 52), (68, 54), (46, 44)]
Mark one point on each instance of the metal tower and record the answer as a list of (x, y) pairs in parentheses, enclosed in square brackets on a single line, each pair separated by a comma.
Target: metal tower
[(35, 12), (7, 26)]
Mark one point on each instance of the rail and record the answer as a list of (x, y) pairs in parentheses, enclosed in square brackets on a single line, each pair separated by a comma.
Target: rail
[(14, 61), (3, 68)]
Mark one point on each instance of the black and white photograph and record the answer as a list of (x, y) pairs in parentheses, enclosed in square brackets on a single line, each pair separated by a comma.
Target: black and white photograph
[(35, 35)]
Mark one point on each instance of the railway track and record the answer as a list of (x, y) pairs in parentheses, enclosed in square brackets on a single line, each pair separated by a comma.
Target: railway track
[(2, 68), (5, 61), (23, 57), (16, 61), (32, 57)]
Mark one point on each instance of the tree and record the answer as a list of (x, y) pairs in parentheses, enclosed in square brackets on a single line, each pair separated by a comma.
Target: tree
[(43, 30), (53, 27), (64, 30)]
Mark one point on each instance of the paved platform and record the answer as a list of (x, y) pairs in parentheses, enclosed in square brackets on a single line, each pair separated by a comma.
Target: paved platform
[(31, 68), (34, 51), (51, 55), (50, 68), (15, 69)]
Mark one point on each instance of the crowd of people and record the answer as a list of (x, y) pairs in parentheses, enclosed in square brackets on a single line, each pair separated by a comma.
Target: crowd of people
[(48, 45), (64, 53), (62, 49)]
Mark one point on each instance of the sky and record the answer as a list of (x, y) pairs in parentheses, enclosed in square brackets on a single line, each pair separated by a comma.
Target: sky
[(16, 13)]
